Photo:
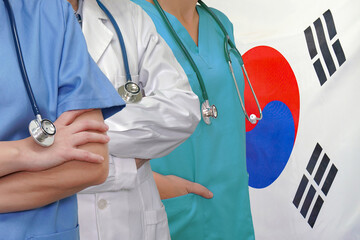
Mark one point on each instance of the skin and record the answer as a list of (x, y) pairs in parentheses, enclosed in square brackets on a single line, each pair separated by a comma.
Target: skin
[(185, 12), (171, 186), (74, 4), (32, 189), (26, 155)]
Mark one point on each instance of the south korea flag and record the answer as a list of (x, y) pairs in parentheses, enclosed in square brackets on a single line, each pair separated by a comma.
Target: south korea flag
[(303, 158)]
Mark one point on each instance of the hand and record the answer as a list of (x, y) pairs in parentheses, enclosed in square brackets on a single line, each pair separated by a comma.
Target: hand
[(171, 186), (140, 162), (69, 136)]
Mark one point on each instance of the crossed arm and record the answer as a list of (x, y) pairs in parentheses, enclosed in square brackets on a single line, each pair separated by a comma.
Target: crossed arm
[(77, 139)]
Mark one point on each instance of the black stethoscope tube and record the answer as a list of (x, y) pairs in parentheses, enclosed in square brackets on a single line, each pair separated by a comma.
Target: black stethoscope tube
[(42, 130), (120, 37), (130, 92), (20, 59)]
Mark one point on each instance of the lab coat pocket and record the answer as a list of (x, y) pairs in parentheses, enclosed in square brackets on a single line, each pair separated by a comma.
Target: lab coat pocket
[(156, 225), (72, 234)]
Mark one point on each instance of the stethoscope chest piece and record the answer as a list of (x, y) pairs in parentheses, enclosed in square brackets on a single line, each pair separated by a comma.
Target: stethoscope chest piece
[(130, 92), (43, 131), (208, 112)]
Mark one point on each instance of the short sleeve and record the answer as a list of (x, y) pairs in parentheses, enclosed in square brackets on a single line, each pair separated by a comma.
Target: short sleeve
[(82, 85)]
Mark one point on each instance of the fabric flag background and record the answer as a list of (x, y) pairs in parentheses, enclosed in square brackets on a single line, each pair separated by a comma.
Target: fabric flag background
[(303, 58)]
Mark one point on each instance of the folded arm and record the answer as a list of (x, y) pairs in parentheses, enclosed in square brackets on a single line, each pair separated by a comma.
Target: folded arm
[(169, 112), (166, 116), (26, 190)]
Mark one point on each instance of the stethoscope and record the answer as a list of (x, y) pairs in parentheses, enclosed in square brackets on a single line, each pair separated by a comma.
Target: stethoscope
[(208, 111), (42, 130), (130, 91)]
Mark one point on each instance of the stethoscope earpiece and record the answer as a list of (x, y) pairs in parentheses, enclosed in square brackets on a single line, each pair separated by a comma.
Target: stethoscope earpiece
[(253, 119), (43, 131), (130, 92)]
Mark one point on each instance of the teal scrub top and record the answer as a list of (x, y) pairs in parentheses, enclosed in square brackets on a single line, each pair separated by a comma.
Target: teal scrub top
[(214, 155), (63, 77)]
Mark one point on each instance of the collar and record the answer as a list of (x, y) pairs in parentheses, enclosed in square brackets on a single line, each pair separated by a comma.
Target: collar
[(79, 12)]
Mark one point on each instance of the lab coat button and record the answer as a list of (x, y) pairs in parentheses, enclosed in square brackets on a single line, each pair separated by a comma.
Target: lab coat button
[(154, 38), (102, 203)]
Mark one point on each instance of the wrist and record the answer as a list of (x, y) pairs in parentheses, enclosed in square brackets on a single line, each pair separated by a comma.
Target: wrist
[(12, 161), (24, 154)]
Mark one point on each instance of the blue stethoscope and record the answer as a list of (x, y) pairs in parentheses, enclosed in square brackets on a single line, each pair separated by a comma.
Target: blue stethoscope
[(42, 130), (130, 92), (207, 110)]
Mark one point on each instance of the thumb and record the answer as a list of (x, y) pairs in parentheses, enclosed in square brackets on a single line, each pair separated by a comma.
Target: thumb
[(200, 190)]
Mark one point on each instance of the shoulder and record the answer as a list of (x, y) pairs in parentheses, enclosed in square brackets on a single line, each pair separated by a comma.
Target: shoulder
[(52, 11), (137, 10), (223, 18), (142, 21), (146, 7), (124, 9), (120, 6), (51, 6), (224, 21), (43, 15)]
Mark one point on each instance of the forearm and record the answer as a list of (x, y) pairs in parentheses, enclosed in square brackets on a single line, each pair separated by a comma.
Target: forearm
[(163, 185), (169, 112), (26, 190), (122, 176), (9, 158), (155, 126), (165, 117)]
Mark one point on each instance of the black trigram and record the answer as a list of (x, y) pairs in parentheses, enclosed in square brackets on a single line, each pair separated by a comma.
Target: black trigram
[(325, 46), (318, 188)]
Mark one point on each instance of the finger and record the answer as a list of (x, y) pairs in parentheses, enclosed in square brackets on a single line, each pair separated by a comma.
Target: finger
[(200, 190), (89, 125), (83, 155), (68, 117), (89, 137)]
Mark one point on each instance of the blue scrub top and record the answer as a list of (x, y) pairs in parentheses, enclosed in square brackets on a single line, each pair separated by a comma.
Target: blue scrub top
[(214, 155), (63, 77)]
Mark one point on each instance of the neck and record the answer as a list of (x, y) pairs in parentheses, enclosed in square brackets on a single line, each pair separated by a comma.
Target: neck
[(74, 4), (185, 12)]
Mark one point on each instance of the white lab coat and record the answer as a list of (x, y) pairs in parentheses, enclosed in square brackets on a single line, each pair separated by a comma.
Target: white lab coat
[(127, 206)]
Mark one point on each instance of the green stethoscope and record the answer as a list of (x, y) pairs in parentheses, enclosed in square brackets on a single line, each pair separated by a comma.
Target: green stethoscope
[(207, 110)]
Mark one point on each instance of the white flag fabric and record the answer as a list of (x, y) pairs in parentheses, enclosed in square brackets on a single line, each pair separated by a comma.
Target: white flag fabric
[(303, 59)]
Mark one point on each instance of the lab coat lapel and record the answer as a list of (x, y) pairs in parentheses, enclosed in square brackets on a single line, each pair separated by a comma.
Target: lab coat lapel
[(97, 35)]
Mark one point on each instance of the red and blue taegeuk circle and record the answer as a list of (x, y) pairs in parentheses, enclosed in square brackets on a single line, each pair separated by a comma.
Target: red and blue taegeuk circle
[(269, 143)]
